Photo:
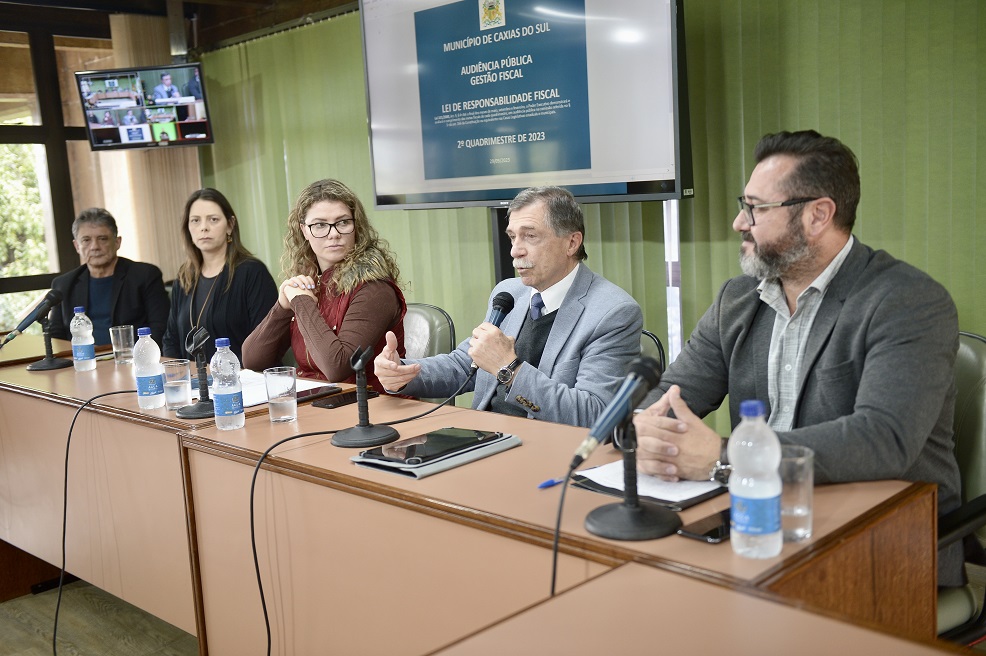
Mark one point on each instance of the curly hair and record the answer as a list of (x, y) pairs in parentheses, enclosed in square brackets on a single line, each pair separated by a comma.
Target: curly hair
[(370, 258)]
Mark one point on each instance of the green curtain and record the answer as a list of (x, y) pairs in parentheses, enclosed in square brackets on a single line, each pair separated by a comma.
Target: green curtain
[(898, 81)]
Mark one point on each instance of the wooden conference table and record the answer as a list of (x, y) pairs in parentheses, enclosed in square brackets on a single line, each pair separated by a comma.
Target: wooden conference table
[(361, 561)]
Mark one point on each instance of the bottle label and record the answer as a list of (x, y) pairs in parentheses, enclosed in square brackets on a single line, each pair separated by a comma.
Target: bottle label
[(150, 385), (83, 352), (755, 516), (227, 405)]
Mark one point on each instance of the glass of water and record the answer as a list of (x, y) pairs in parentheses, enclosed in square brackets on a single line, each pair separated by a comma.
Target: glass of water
[(177, 384), (797, 472), (122, 338), (282, 394)]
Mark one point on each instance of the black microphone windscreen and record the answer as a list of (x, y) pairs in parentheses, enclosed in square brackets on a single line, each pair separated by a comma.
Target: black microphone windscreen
[(503, 302), (647, 368), (54, 296)]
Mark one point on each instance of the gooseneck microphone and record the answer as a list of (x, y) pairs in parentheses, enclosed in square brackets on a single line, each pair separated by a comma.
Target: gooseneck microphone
[(644, 375), (51, 299), (503, 303)]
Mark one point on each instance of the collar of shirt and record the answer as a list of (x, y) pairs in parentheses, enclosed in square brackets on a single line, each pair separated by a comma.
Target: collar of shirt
[(772, 294), (554, 295)]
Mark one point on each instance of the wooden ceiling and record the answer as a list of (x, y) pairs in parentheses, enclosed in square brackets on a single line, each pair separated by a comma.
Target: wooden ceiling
[(209, 23)]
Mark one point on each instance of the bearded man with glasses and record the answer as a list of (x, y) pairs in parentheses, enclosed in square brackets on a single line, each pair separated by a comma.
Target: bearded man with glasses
[(851, 350)]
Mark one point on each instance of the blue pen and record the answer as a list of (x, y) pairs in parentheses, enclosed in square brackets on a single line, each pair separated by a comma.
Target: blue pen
[(551, 482)]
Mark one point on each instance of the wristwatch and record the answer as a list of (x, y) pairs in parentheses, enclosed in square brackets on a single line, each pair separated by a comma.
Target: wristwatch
[(721, 469), (506, 374)]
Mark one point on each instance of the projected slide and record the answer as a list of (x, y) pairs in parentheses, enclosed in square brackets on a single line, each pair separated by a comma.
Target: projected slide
[(504, 90), (471, 101)]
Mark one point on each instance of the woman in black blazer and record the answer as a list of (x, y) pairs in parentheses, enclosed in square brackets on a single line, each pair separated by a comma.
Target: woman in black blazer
[(221, 285)]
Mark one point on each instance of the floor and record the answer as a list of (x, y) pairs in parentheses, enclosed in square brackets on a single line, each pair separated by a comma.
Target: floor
[(91, 623)]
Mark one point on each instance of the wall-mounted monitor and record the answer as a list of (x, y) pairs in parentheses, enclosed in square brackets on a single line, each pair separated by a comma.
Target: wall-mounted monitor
[(471, 101), (144, 107)]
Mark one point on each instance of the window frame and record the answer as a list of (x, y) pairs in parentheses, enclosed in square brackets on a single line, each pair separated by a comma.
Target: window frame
[(53, 134)]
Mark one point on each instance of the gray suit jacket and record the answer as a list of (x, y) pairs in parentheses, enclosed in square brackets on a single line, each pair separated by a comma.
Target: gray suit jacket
[(877, 395), (595, 335)]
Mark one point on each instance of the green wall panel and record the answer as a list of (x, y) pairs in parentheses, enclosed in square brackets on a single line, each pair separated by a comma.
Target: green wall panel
[(898, 81)]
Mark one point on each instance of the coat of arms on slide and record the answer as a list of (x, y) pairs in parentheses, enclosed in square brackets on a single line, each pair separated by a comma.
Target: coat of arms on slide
[(491, 14)]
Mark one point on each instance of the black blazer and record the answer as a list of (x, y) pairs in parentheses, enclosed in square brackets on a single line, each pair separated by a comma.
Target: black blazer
[(232, 313), (139, 298)]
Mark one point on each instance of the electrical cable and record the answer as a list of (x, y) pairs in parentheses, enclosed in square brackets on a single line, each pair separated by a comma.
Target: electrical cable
[(253, 485), (554, 542), (61, 575)]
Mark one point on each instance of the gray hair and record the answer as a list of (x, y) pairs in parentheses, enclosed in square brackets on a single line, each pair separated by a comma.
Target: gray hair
[(562, 212), (96, 216)]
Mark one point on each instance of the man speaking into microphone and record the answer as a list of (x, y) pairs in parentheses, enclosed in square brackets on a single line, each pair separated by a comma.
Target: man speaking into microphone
[(562, 352)]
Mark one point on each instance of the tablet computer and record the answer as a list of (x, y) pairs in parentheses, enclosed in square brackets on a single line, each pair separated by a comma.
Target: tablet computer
[(435, 451)]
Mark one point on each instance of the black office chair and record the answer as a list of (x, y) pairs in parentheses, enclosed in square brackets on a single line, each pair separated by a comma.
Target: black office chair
[(651, 346), (958, 620)]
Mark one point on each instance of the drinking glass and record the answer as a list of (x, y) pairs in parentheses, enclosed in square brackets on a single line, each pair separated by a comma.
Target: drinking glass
[(282, 394)]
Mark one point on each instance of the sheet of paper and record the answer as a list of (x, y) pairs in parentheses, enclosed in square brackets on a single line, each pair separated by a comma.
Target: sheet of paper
[(255, 391), (611, 476)]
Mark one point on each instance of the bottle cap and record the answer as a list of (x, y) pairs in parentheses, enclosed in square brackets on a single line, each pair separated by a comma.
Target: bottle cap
[(141, 332), (79, 309), (222, 341), (751, 408)]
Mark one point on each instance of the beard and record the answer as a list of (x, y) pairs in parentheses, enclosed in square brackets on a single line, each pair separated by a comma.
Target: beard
[(787, 256)]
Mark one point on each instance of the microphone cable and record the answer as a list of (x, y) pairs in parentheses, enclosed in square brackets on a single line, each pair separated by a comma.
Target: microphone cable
[(253, 486), (557, 535), (61, 575)]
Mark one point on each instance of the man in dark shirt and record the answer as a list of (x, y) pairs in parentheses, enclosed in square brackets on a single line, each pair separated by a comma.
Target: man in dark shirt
[(114, 291)]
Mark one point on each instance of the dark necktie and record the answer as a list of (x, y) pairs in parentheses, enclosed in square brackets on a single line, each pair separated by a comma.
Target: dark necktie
[(537, 305)]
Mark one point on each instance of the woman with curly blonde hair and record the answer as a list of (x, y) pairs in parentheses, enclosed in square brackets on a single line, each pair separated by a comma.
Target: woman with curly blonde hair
[(340, 290)]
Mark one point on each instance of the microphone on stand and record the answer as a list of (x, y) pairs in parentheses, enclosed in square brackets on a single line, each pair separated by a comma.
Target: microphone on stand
[(195, 343), (364, 434), (503, 303), (41, 310), (631, 519), (40, 314), (644, 375)]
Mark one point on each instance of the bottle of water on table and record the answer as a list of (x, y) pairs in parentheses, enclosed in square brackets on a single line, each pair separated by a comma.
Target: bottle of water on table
[(755, 485), (148, 371), (227, 396), (83, 345)]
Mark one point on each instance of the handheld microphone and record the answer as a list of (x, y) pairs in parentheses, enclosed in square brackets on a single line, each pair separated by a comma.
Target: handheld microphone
[(51, 299), (644, 375), (503, 303)]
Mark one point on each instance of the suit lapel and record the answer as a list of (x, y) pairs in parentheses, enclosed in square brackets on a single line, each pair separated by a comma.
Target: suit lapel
[(119, 274), (830, 309), (568, 316)]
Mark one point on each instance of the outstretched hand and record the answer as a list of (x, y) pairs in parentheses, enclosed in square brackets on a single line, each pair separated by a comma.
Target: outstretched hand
[(388, 368)]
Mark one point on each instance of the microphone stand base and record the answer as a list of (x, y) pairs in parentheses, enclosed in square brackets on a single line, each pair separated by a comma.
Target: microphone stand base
[(49, 364), (364, 436), (619, 521), (202, 410)]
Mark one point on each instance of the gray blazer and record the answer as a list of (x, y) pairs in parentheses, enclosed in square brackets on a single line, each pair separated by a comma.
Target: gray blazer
[(877, 395), (595, 335)]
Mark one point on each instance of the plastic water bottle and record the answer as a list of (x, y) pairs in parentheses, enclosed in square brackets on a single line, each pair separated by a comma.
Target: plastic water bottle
[(83, 345), (755, 485), (227, 392), (149, 371)]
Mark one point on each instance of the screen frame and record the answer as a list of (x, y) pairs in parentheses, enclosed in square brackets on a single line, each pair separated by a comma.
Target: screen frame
[(141, 71), (681, 186)]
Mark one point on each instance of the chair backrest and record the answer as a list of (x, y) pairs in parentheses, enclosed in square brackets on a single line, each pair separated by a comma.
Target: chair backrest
[(651, 346), (970, 414), (428, 330)]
